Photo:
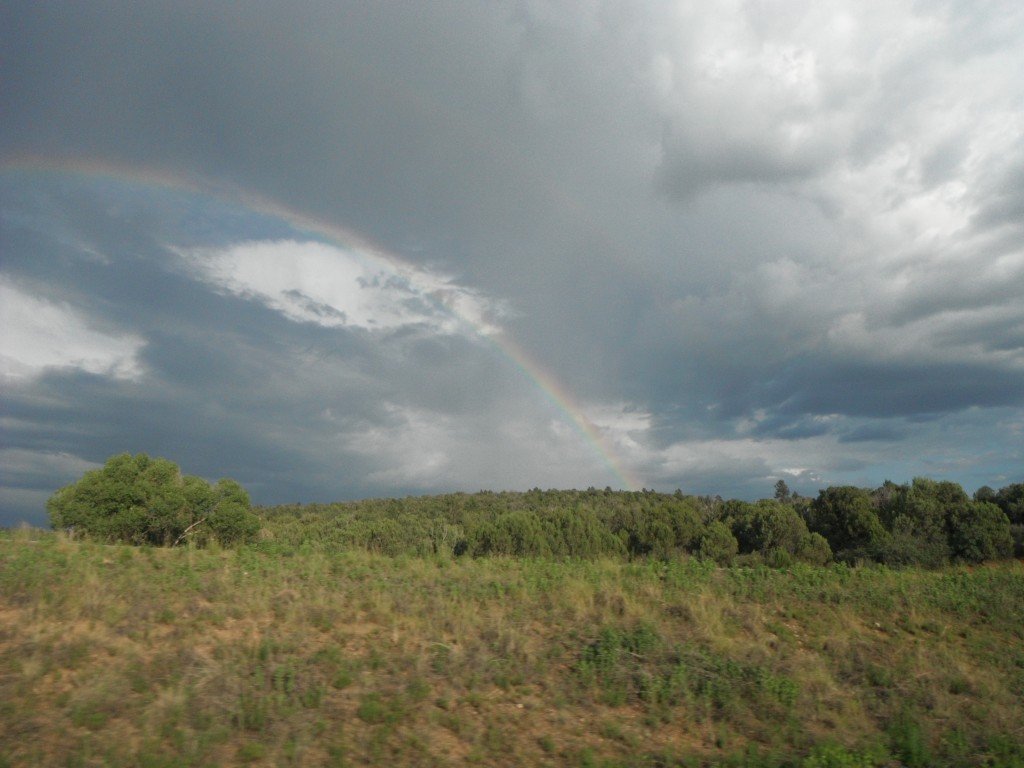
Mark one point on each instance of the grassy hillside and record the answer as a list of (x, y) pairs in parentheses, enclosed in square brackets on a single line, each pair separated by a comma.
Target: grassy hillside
[(123, 656)]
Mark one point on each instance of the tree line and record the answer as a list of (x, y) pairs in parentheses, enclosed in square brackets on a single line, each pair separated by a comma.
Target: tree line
[(924, 523)]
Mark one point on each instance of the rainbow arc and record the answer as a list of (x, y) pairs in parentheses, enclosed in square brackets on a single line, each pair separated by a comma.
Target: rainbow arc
[(503, 344)]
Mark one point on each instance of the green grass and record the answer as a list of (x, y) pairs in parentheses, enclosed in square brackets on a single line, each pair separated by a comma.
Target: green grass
[(113, 655)]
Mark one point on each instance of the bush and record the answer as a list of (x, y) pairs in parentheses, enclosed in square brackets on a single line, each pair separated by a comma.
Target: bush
[(766, 526), (718, 544), (845, 517), (981, 532), (814, 550), (1011, 500), (525, 533), (919, 517), (141, 500)]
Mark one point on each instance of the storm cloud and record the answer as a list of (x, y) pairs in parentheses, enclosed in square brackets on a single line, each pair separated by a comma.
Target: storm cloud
[(336, 250)]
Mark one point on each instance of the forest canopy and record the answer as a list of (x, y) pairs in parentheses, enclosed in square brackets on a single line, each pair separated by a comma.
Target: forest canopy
[(924, 523), (143, 500)]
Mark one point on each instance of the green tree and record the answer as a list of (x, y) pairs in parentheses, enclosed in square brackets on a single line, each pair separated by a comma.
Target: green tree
[(782, 493), (645, 531), (718, 544), (985, 493), (767, 526), (489, 539), (845, 517), (525, 532), (921, 518), (1011, 500), (579, 532), (686, 522), (142, 500), (814, 550), (979, 532), (230, 518)]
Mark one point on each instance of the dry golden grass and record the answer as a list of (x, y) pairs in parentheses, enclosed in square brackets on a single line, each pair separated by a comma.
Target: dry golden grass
[(122, 656)]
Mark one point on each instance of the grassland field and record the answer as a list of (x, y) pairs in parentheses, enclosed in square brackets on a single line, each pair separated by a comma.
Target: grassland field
[(154, 657)]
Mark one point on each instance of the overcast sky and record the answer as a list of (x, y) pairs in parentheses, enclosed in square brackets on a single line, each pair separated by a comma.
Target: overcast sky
[(346, 249)]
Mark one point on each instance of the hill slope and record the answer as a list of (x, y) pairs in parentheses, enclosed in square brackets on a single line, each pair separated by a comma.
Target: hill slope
[(126, 656)]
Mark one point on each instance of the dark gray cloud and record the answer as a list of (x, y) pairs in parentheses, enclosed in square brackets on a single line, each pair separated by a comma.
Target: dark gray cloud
[(717, 244), (873, 433)]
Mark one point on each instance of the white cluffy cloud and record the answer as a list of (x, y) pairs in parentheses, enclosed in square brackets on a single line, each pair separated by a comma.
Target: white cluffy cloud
[(38, 335), (314, 282)]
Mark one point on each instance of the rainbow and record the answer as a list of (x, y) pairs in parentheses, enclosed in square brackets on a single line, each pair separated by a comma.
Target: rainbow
[(503, 345)]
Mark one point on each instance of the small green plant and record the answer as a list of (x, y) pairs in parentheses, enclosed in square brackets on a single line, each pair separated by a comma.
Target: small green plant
[(908, 741), (253, 712), (837, 756), (251, 751), (372, 709), (311, 697), (418, 689), (343, 677), (89, 717)]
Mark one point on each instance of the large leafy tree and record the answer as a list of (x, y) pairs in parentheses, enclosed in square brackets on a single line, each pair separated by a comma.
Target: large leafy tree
[(919, 517), (718, 544), (980, 531), (766, 525), (845, 517), (1011, 500), (143, 500), (776, 531)]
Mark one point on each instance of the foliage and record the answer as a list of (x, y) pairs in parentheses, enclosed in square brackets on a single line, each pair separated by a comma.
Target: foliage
[(776, 531), (638, 666), (926, 524), (979, 532), (1010, 499), (933, 523), (845, 517), (718, 543), (814, 549), (143, 500)]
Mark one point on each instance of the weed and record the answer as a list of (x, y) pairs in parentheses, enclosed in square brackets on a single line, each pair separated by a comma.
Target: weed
[(312, 697), (908, 741), (253, 712), (418, 689), (959, 686), (343, 677), (376, 709), (251, 751), (88, 717)]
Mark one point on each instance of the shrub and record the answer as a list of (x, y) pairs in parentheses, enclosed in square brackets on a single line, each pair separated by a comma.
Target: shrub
[(768, 525), (1011, 500), (141, 500), (814, 550), (845, 517), (525, 534), (580, 533), (718, 544), (980, 532), (918, 516)]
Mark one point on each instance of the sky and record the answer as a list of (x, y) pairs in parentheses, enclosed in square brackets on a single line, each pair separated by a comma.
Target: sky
[(340, 250)]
